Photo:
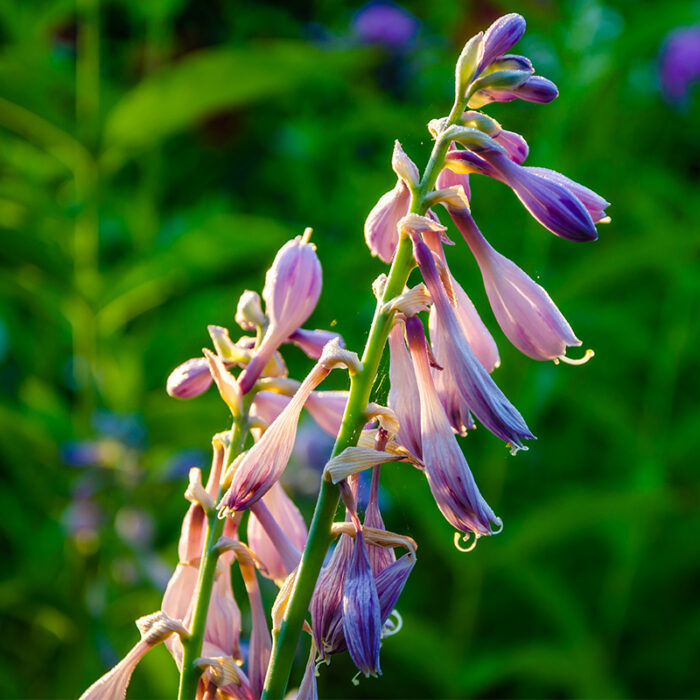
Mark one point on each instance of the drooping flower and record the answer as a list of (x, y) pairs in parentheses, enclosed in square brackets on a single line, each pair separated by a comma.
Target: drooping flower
[(292, 288), (277, 542), (362, 624), (264, 463), (523, 309), (451, 482), (479, 391)]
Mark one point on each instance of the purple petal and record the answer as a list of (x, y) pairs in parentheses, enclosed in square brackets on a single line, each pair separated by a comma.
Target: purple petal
[(381, 234), (504, 33)]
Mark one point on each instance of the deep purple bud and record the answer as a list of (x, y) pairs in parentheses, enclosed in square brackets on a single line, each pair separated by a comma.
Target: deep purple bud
[(313, 342), (537, 89), (523, 309), (555, 206), (292, 288), (451, 482), (515, 144), (189, 379), (362, 623), (593, 202), (479, 391), (504, 33)]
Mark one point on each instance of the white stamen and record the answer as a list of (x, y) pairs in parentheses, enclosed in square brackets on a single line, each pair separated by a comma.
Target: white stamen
[(581, 361), (465, 538)]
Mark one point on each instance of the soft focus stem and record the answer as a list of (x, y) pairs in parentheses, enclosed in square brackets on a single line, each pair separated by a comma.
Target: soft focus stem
[(319, 538), (189, 677)]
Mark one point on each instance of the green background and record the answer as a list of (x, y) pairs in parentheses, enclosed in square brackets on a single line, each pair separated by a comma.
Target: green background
[(153, 157)]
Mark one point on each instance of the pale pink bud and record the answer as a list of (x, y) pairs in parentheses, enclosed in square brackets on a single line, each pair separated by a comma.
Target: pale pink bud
[(381, 234), (189, 379), (292, 288), (279, 545)]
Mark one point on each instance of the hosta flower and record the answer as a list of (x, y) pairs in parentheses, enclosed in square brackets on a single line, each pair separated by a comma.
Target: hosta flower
[(313, 342), (522, 307), (478, 390), (450, 480), (189, 379), (292, 288), (503, 34)]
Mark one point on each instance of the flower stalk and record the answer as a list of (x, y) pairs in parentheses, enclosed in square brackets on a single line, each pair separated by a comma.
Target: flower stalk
[(319, 540)]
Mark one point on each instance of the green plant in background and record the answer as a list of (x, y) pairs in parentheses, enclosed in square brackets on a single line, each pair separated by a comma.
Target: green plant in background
[(353, 600), (571, 600)]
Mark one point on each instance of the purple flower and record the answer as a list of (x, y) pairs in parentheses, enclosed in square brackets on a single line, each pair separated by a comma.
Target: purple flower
[(478, 390), (362, 623), (533, 89), (189, 379), (450, 480), (523, 309), (514, 143), (551, 202), (385, 23), (292, 288), (680, 62), (390, 583)]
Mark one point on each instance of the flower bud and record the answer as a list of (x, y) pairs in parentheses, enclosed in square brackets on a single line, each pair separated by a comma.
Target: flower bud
[(292, 288), (468, 63), (249, 313), (504, 33), (189, 379), (313, 342)]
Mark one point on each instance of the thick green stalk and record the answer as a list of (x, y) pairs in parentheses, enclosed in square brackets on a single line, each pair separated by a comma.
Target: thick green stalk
[(189, 676), (319, 539)]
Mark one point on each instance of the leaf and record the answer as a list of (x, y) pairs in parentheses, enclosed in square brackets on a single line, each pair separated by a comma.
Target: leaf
[(210, 80)]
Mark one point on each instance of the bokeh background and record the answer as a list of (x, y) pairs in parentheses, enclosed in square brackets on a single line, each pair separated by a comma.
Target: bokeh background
[(153, 157)]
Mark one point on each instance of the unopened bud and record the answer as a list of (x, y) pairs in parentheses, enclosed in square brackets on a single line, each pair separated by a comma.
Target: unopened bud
[(501, 80), (510, 62), (249, 313), (189, 379), (468, 63)]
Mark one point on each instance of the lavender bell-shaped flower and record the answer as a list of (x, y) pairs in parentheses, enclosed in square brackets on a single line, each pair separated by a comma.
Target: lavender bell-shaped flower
[(479, 391), (381, 234), (523, 309), (326, 603), (450, 480), (362, 623), (292, 288), (290, 528)]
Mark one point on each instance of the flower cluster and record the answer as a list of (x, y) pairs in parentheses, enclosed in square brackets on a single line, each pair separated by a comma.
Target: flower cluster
[(441, 386)]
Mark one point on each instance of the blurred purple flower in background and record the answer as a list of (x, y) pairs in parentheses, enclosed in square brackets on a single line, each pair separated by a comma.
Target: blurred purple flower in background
[(385, 23), (680, 63)]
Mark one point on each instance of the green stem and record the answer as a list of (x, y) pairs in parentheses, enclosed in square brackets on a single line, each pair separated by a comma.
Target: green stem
[(319, 538), (190, 674)]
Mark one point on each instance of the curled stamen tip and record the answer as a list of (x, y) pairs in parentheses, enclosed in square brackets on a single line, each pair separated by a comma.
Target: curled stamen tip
[(499, 523), (581, 360), (514, 449), (466, 537)]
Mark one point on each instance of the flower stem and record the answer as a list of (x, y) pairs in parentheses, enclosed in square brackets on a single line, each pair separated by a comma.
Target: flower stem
[(189, 676), (319, 538)]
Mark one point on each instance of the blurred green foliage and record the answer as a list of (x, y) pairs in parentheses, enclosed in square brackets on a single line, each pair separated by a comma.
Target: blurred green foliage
[(153, 157)]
